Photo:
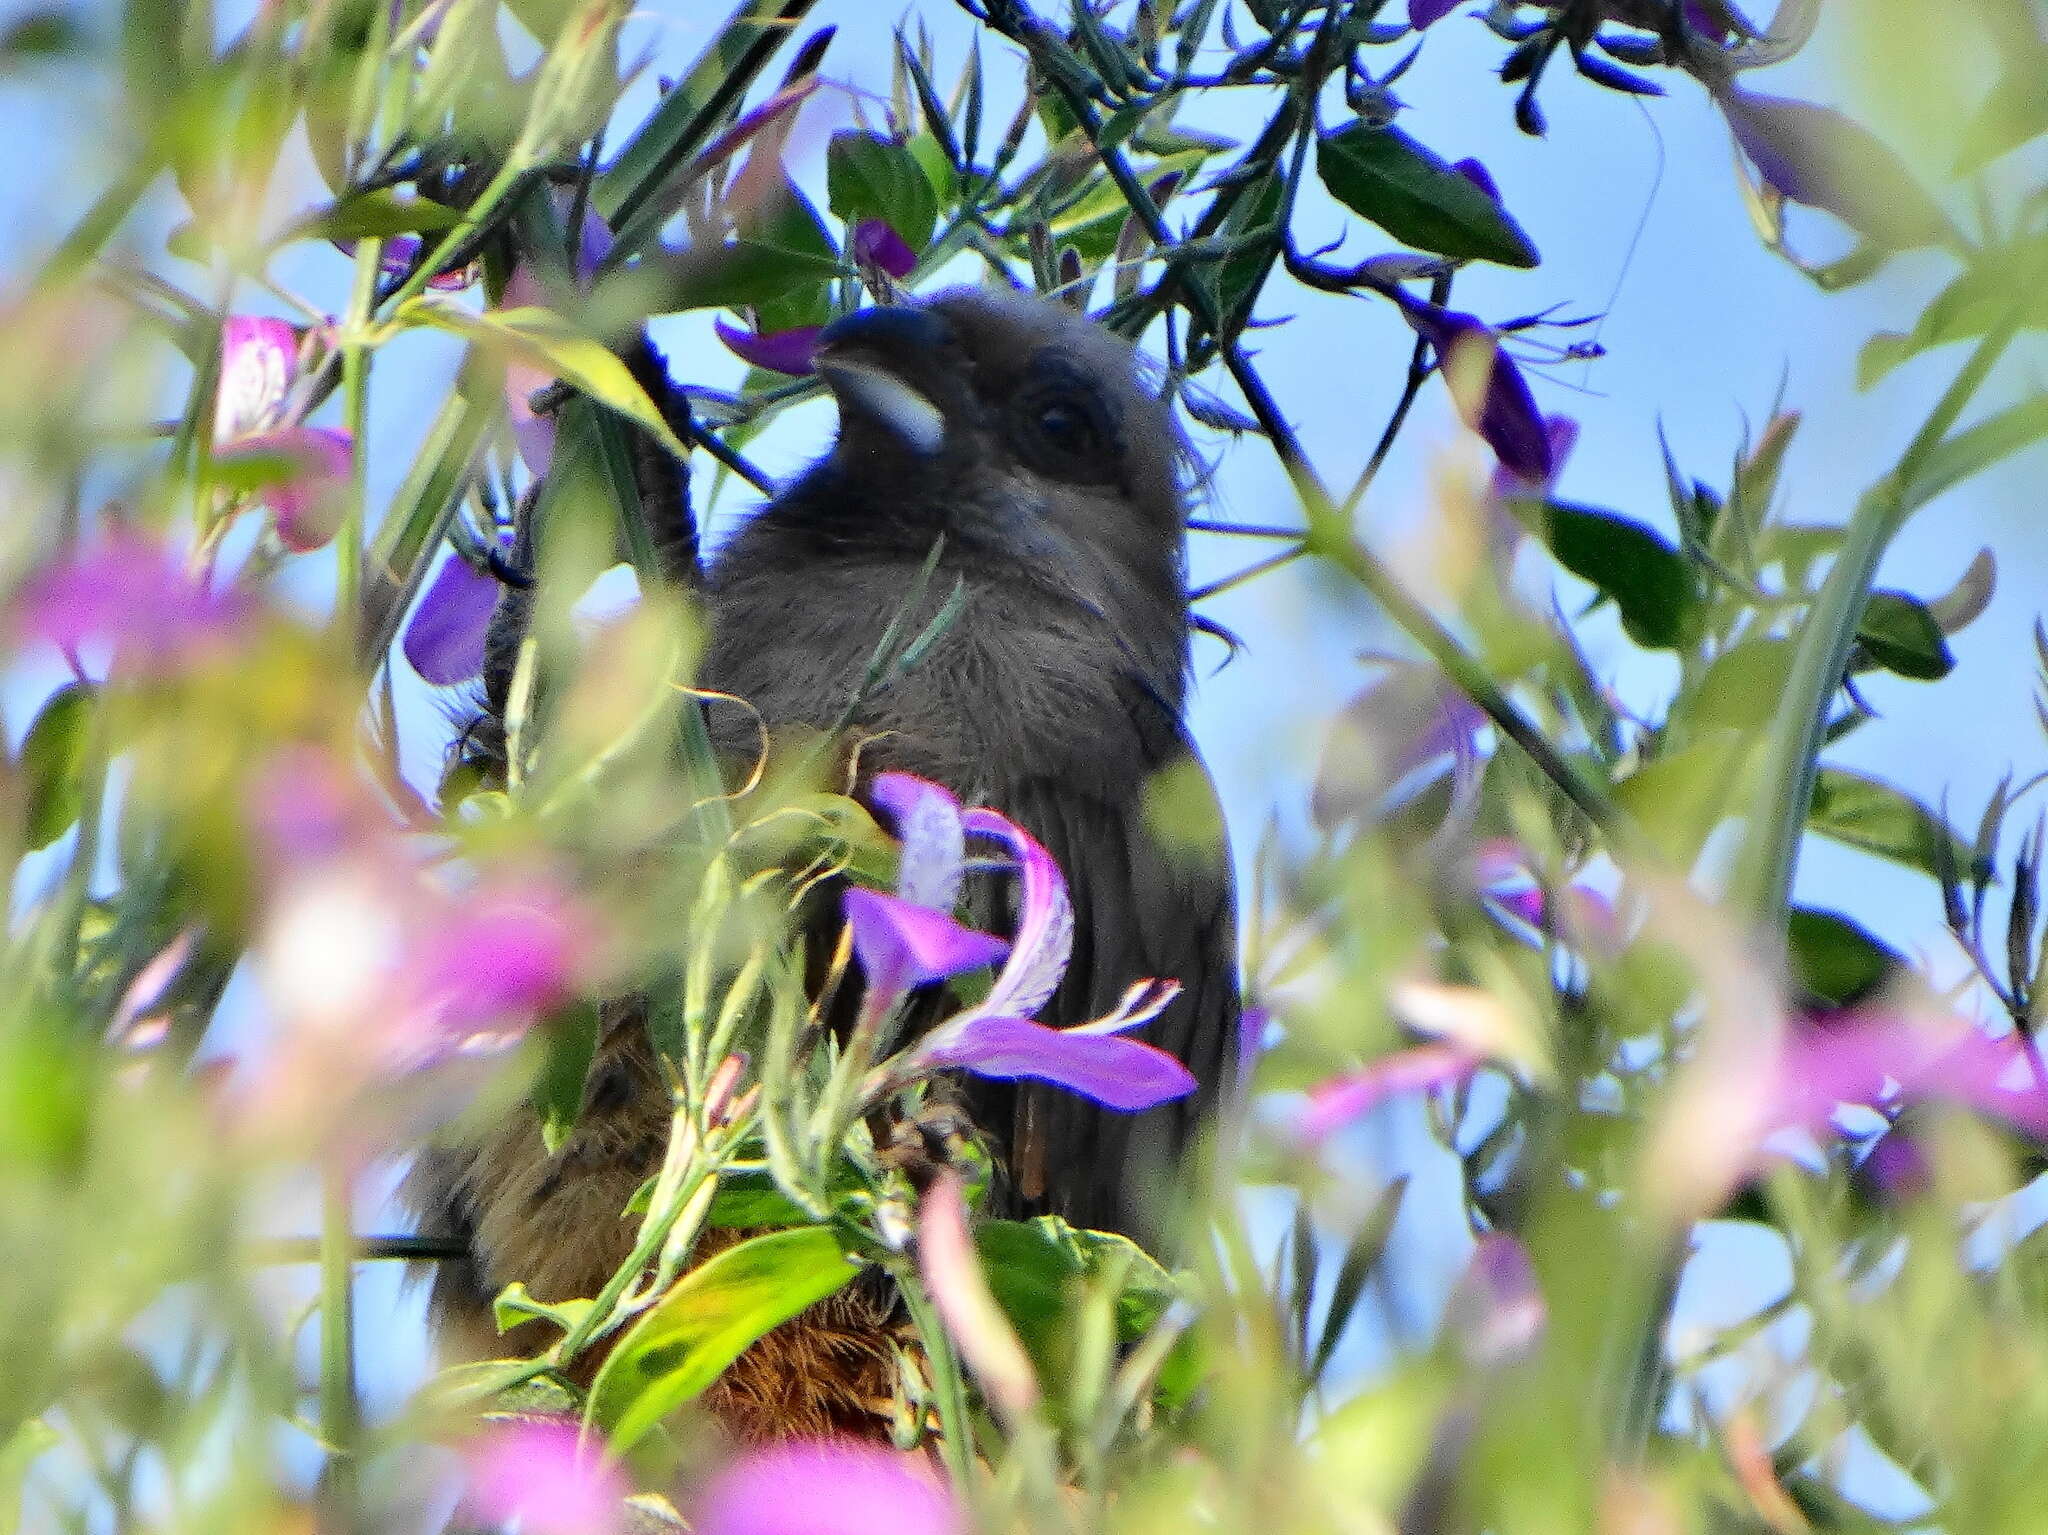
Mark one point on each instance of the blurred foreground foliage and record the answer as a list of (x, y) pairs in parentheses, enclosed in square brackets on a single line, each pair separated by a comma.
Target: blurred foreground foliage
[(246, 956)]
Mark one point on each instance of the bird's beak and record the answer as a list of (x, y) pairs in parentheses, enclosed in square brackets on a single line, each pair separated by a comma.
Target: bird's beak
[(864, 359)]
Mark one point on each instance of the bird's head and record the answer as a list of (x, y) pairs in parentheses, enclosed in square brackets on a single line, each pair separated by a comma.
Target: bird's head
[(1011, 424)]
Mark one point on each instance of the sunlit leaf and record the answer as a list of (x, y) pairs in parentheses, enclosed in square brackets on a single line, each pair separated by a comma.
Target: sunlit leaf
[(1872, 815), (707, 1319)]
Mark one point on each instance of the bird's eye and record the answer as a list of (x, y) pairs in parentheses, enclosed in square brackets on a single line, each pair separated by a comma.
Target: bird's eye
[(1066, 428)]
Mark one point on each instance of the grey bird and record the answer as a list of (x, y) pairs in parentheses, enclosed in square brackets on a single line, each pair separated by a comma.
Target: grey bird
[(1027, 444)]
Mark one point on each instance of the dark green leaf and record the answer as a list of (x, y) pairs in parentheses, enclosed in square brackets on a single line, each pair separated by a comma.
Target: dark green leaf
[(868, 176), (1900, 635), (1836, 960), (42, 34), (1873, 816), (1255, 219), (1649, 581), (707, 1319), (53, 763), (1418, 197)]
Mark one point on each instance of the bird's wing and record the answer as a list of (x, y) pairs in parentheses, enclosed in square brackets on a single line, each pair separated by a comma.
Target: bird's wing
[(1145, 906)]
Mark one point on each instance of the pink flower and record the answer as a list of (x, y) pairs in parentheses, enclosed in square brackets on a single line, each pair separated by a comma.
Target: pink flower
[(1342, 1101), (259, 359), (536, 1471), (126, 590), (305, 479), (823, 1487)]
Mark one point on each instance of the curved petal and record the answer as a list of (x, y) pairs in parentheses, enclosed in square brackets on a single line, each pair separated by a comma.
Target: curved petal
[(445, 639), (1122, 1074), (902, 944), (1045, 922), (928, 824)]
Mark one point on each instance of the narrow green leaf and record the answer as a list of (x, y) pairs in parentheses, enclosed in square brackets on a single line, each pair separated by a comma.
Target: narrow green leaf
[(707, 1319), (547, 340), (1418, 197), (1971, 451), (569, 1043), (53, 760), (1650, 582), (1868, 814), (870, 176), (1901, 635), (1975, 300), (377, 215)]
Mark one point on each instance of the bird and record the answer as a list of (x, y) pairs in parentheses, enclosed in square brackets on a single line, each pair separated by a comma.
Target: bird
[(1003, 457)]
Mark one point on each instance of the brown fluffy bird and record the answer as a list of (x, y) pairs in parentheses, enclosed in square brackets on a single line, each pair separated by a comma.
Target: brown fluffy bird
[(1025, 443)]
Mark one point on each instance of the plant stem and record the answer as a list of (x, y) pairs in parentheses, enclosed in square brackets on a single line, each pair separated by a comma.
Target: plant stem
[(339, 1422)]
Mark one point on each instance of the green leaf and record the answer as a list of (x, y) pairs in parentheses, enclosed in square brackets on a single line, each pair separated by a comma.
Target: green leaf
[(513, 1307), (53, 763), (1740, 690), (1680, 798), (1648, 580), (707, 1319), (1967, 453), (1868, 814), (1255, 219), (1835, 959), (1418, 197), (377, 215), (1974, 301), (1037, 1269), (737, 274), (1901, 635), (570, 1040), (544, 338), (868, 176)]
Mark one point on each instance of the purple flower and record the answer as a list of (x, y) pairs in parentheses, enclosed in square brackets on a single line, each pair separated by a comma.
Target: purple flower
[(1496, 1311), (532, 432), (951, 1269), (445, 639), (537, 1472), (401, 252), (1479, 176), (306, 476), (1502, 874), (1489, 391), (259, 358), (928, 824), (791, 351), (1342, 1101), (826, 1487), (1122, 1074), (1563, 434), (912, 934), (875, 243), (130, 592), (1427, 13), (1815, 155)]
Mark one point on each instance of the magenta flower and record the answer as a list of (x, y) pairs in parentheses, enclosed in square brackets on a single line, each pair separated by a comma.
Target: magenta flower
[(908, 934), (1878, 1058), (951, 1270), (259, 358), (536, 1471), (825, 1487), (875, 243), (444, 641), (1344, 1100), (901, 944), (305, 472), (782, 351), (1503, 876), (486, 964), (1427, 13), (127, 591)]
